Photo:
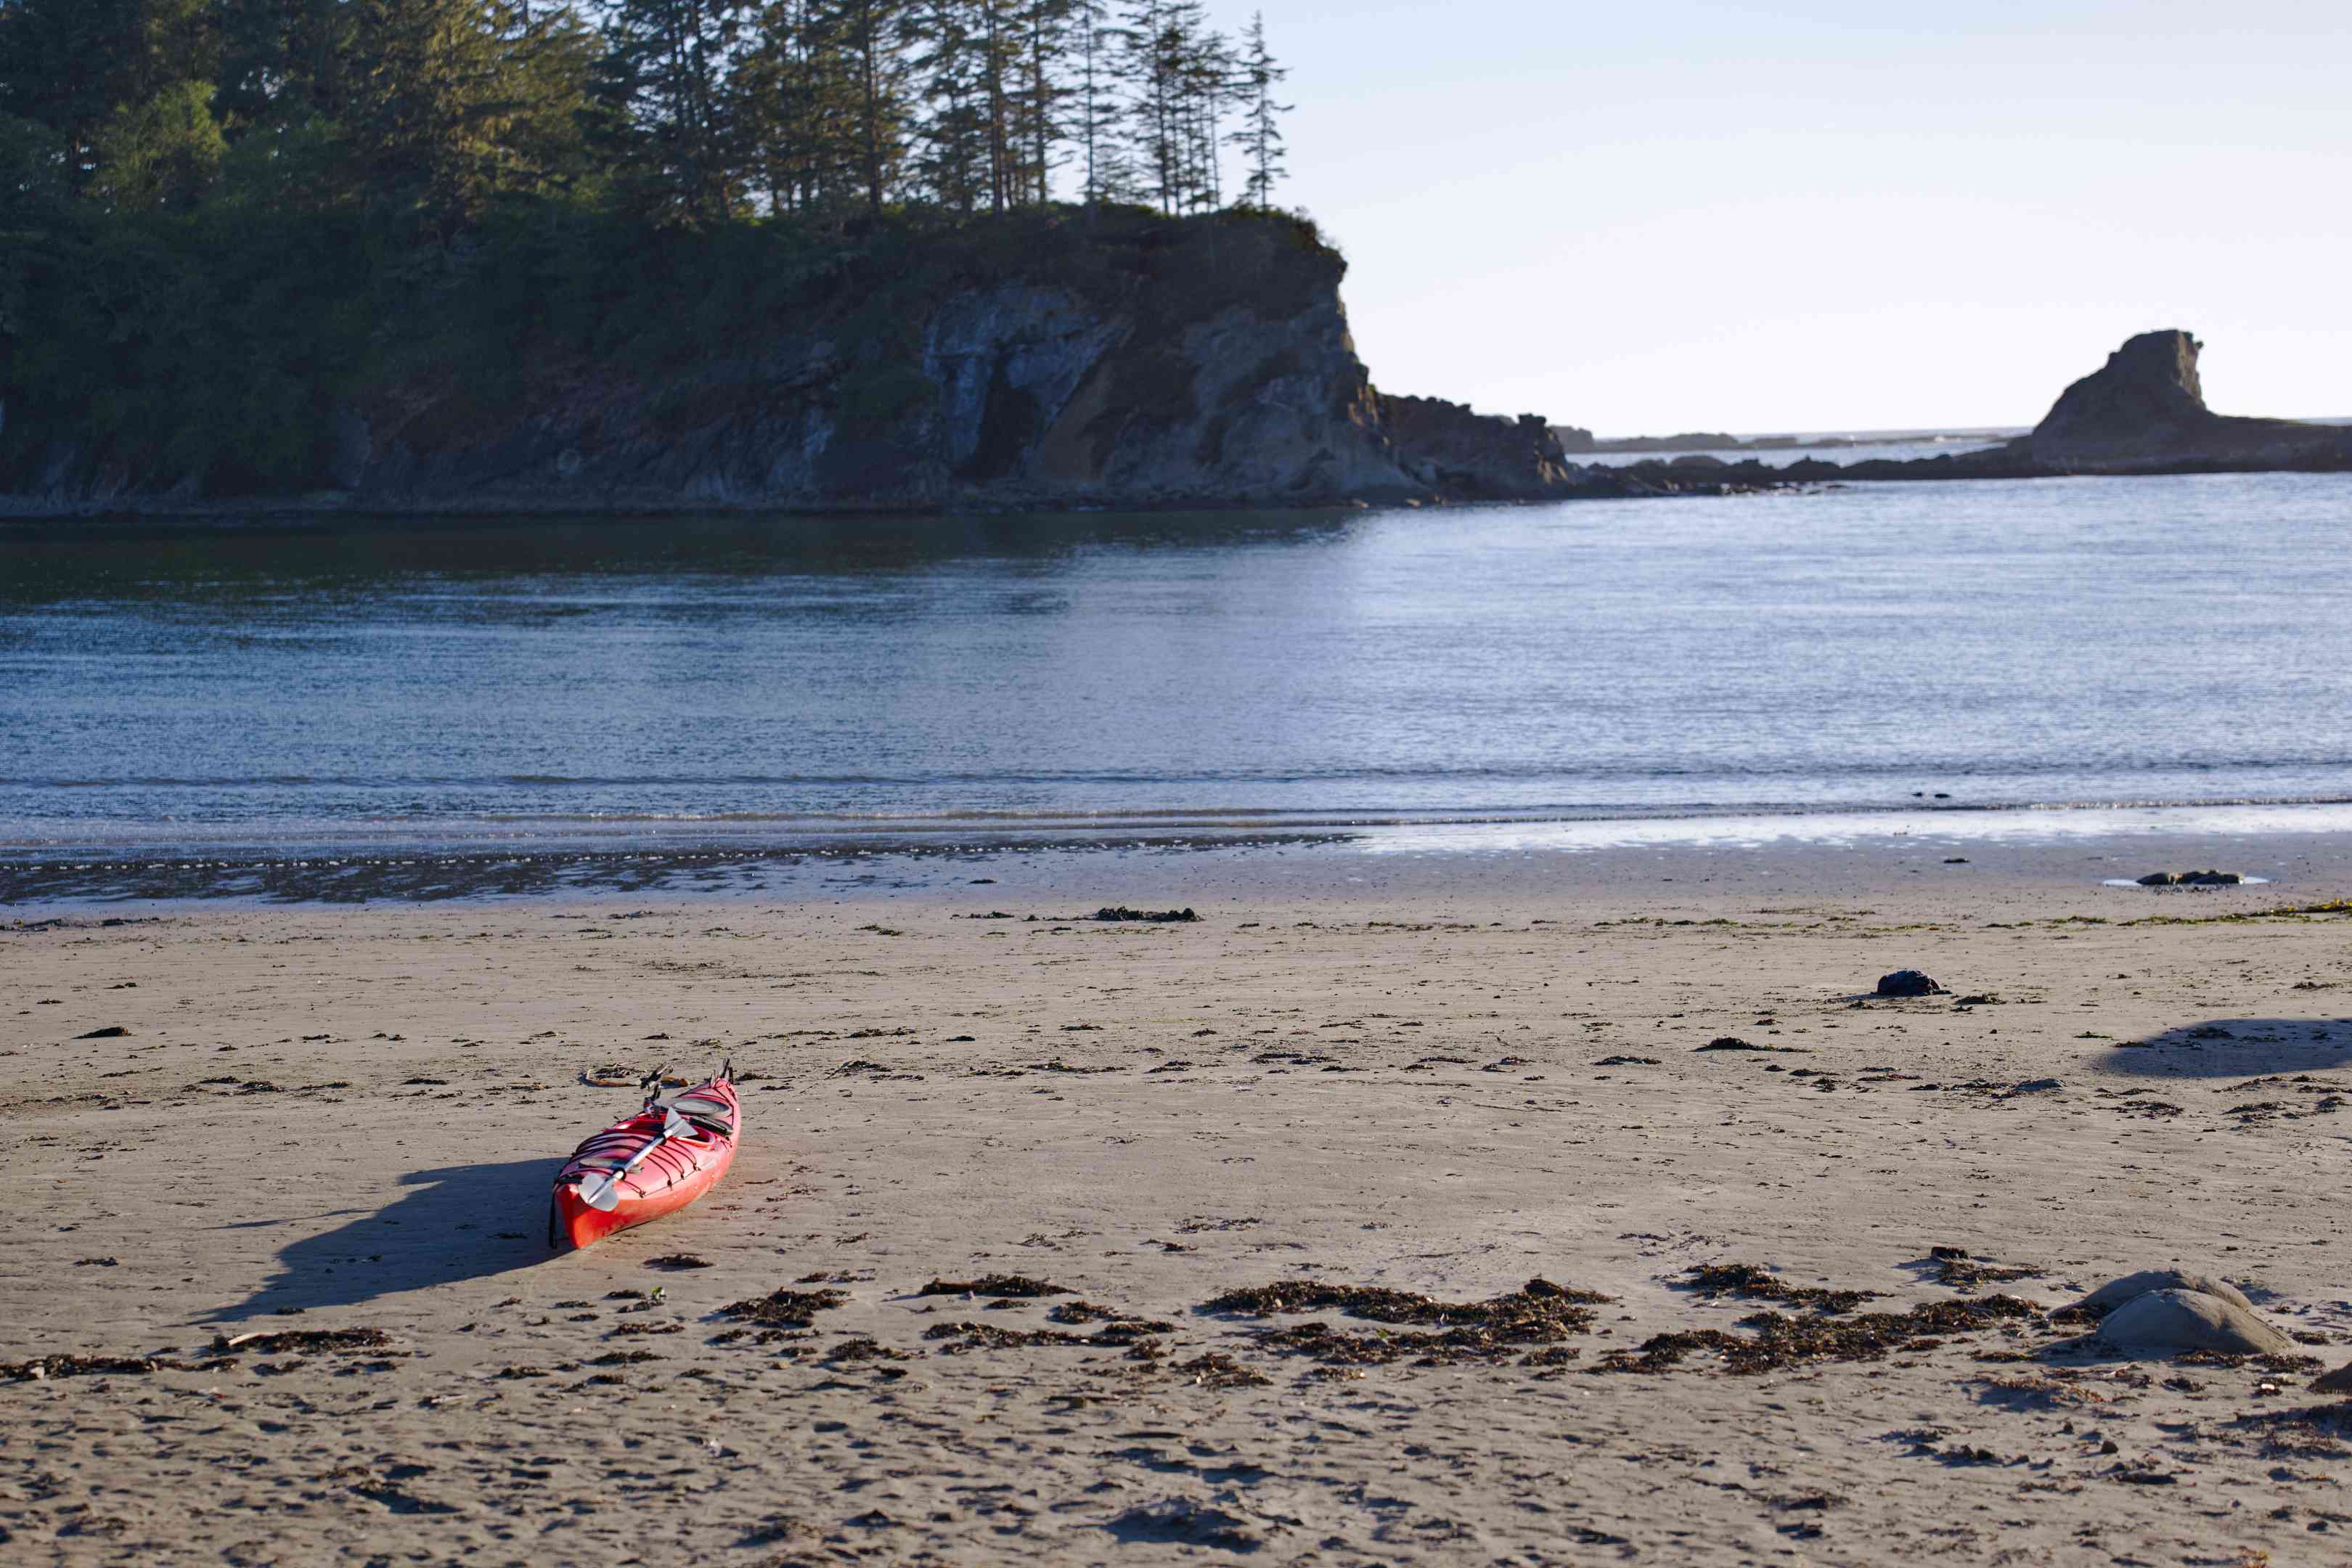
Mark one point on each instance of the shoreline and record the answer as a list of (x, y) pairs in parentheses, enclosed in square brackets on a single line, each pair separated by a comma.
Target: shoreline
[(1649, 478), (2284, 849)]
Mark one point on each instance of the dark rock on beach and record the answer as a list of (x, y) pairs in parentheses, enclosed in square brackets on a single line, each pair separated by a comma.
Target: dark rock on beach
[(1907, 982)]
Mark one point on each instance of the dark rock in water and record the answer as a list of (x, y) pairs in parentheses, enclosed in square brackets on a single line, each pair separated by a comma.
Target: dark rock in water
[(1457, 452), (2145, 409), (1907, 982), (2157, 879), (2189, 879)]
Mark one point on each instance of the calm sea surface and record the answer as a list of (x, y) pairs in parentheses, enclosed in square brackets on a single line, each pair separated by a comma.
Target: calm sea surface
[(421, 684)]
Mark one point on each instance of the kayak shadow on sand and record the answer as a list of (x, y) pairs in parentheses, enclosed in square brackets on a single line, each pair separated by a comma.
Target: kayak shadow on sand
[(2236, 1047), (459, 1221)]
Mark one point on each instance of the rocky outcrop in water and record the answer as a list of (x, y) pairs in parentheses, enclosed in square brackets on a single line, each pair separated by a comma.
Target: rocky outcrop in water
[(1457, 452), (2145, 409), (2143, 413)]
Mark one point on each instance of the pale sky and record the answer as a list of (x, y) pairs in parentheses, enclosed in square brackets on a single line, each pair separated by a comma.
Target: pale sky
[(1673, 214)]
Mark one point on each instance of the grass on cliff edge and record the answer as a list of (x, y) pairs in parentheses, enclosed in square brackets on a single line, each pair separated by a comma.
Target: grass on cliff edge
[(211, 350)]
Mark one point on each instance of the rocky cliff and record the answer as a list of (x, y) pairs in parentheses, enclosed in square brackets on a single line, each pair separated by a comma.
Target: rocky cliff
[(1066, 360), (2145, 409)]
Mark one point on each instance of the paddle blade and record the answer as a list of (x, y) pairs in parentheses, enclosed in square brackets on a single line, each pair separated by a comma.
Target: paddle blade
[(677, 1126), (601, 1194)]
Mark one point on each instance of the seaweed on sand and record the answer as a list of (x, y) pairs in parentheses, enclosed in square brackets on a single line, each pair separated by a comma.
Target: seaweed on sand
[(1781, 1340), (48, 1366), (302, 1339), (1752, 1283), (998, 1285), (969, 1336), (1538, 1313), (1538, 1301), (1336, 1347), (1212, 1369), (785, 1309), (1955, 1268)]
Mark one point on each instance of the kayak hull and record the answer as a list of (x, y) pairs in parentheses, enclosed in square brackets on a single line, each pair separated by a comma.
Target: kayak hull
[(668, 1173)]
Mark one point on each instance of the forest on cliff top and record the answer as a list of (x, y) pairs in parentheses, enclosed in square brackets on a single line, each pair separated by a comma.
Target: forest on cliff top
[(218, 217)]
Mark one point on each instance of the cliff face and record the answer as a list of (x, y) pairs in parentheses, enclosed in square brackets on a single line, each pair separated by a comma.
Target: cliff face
[(2145, 409), (1123, 361), (1457, 452)]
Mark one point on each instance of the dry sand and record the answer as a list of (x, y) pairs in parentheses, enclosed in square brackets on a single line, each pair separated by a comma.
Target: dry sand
[(331, 1119)]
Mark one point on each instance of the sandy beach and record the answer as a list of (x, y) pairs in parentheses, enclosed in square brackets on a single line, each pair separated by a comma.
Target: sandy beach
[(231, 1125)]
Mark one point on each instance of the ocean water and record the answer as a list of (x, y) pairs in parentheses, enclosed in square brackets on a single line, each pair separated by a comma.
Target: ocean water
[(1876, 448), (523, 685)]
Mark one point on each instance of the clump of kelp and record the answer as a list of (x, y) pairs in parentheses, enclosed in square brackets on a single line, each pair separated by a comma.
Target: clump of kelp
[(303, 1340), (1751, 1282), (997, 1284), (1112, 1335), (1779, 1341), (785, 1308), (1538, 1314), (1963, 1273), (221, 1353)]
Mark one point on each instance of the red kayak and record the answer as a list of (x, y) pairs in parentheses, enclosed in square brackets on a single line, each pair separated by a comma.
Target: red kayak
[(653, 1164)]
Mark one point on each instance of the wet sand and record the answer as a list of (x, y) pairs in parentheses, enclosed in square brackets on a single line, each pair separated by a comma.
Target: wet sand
[(1438, 1084)]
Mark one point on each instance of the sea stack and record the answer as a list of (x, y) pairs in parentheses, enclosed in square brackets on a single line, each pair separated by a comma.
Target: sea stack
[(2145, 409)]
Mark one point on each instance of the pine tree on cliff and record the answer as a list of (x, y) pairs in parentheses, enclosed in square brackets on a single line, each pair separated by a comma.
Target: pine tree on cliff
[(108, 79), (1039, 92), (1098, 121), (1143, 68), (950, 163), (1178, 75), (796, 108), (667, 65), (451, 102), (1207, 85), (997, 45), (873, 36), (1260, 136)]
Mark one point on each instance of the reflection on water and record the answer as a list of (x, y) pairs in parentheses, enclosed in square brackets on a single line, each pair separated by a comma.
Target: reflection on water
[(526, 687)]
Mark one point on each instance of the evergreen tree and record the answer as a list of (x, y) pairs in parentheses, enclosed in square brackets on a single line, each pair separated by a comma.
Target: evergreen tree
[(1143, 68), (666, 68), (107, 72), (165, 152), (1206, 85), (1099, 124), (1260, 136), (873, 35), (1039, 92), (952, 165), (282, 62), (796, 108)]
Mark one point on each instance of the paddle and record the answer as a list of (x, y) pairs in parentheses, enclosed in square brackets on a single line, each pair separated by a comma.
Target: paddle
[(602, 1192)]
